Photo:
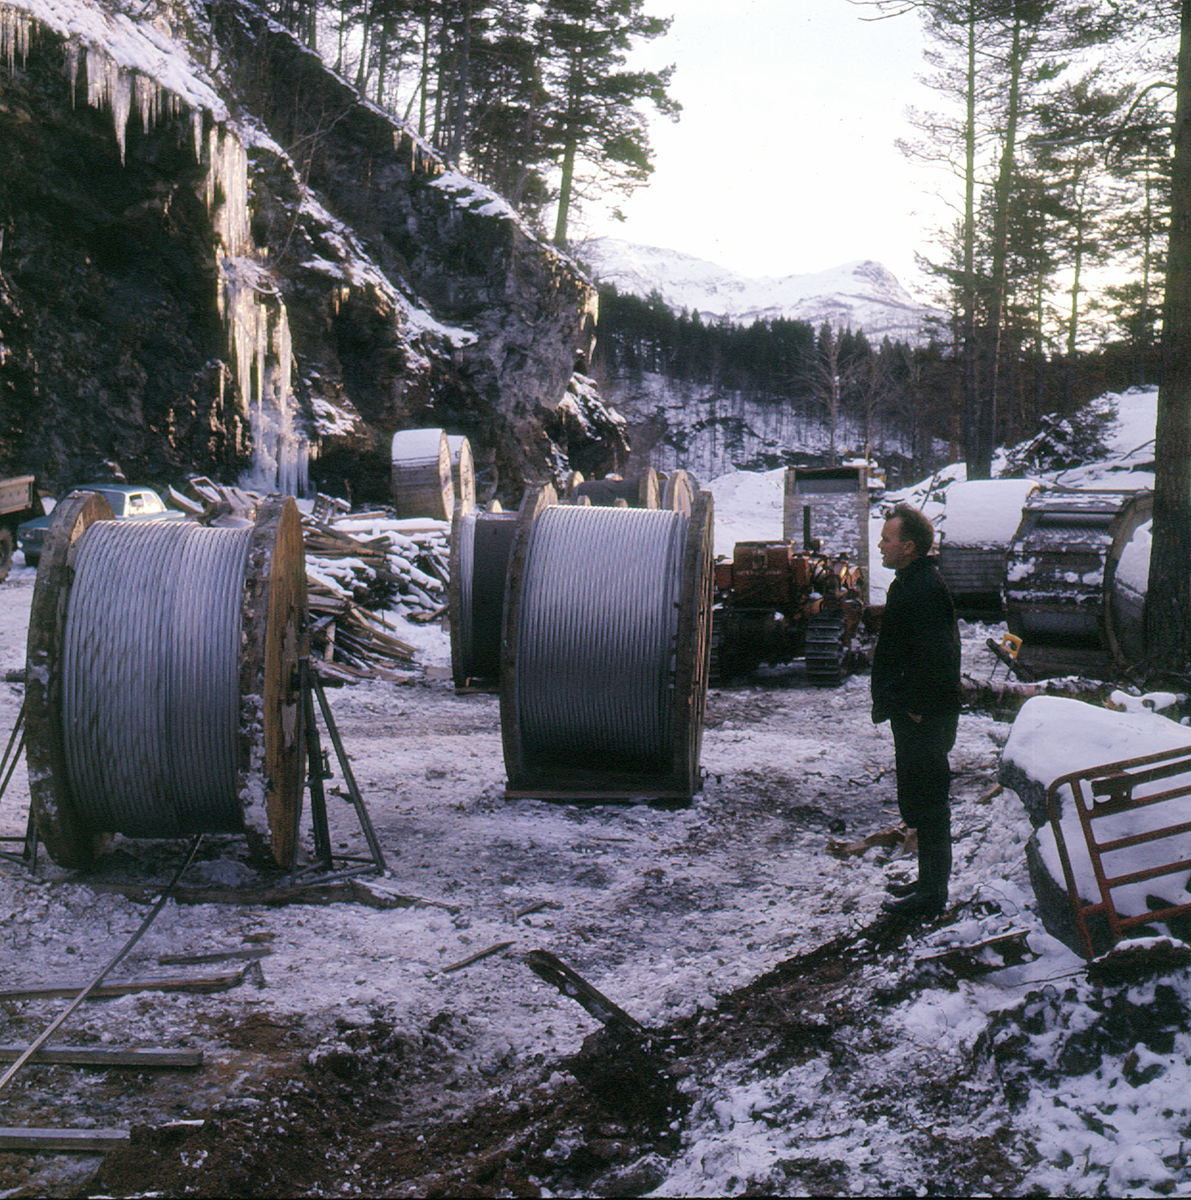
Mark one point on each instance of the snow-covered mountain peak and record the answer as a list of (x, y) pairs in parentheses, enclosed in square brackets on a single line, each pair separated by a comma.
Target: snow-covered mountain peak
[(861, 295)]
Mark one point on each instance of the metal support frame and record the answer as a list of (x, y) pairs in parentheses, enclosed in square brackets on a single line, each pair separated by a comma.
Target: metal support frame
[(318, 770), (8, 764), (1106, 791), (330, 865)]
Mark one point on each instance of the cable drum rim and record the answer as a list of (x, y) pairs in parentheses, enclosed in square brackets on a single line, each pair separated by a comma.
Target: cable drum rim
[(596, 637)]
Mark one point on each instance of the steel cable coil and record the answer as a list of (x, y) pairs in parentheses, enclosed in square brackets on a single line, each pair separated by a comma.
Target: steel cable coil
[(596, 639), (150, 666), (466, 570)]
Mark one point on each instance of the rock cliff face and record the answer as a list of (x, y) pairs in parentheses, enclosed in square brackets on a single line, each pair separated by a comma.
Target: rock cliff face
[(255, 265)]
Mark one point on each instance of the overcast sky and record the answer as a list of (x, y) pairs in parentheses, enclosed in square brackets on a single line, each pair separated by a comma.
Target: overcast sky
[(784, 160)]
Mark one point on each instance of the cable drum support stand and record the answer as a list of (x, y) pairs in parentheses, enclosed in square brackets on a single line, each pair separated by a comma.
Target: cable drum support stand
[(8, 764), (317, 772)]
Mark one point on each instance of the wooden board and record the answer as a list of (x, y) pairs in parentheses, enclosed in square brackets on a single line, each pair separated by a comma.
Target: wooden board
[(80, 1141), (273, 615), (103, 1056)]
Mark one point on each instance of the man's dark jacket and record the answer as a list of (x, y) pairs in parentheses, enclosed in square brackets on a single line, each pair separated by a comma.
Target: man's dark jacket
[(916, 663)]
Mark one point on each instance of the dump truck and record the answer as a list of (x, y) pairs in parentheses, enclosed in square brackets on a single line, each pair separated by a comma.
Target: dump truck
[(19, 501)]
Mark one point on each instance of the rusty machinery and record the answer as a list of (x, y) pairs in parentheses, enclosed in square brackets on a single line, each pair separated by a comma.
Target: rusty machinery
[(774, 604)]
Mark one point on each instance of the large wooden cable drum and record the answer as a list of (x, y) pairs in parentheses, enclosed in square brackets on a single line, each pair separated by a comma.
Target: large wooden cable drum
[(165, 657), (642, 492), (421, 474), (481, 545), (606, 641)]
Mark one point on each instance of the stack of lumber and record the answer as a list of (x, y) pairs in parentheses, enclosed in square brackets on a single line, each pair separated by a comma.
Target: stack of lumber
[(366, 573), (360, 565)]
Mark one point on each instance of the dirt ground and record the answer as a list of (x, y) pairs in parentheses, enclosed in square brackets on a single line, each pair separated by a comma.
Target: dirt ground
[(356, 1057)]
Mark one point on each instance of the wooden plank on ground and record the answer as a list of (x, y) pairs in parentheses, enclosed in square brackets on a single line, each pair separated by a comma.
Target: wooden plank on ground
[(105, 1056), (201, 984), (77, 1140)]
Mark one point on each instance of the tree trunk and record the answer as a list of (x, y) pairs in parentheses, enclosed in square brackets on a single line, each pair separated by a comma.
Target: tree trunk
[(564, 190), (462, 85), (987, 439), (971, 396), (1168, 603)]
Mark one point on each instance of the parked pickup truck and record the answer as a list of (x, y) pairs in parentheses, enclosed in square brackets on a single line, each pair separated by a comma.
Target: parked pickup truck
[(19, 502), (129, 503)]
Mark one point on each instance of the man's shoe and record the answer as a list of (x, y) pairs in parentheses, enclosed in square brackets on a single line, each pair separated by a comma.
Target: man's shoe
[(901, 890), (919, 906)]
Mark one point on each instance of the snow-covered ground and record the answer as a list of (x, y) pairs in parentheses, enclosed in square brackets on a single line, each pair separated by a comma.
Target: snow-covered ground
[(666, 911)]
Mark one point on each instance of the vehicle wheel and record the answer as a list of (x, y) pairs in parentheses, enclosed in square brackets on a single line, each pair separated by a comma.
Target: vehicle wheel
[(5, 552)]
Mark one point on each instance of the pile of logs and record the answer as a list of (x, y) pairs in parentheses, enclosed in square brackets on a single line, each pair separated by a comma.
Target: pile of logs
[(362, 569)]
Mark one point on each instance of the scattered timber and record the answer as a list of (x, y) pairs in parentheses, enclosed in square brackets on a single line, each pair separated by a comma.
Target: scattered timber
[(359, 567), (104, 1056), (366, 892), (570, 983), (203, 985), (80, 1141), (474, 958)]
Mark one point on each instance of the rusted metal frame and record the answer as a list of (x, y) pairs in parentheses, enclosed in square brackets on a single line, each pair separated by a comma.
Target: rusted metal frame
[(1077, 910), (316, 770), (1120, 785), (1117, 780), (1139, 839), (1150, 873), (1106, 906), (8, 764)]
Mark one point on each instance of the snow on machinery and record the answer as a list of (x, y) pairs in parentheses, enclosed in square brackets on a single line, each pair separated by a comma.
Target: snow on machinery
[(775, 603), (1062, 595)]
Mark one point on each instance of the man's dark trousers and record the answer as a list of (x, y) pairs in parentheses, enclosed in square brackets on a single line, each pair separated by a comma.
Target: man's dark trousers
[(920, 750)]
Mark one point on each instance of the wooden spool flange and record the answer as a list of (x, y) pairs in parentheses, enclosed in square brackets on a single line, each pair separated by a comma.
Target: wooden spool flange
[(463, 471), (454, 601), (270, 753), (274, 640), (475, 651), (678, 495)]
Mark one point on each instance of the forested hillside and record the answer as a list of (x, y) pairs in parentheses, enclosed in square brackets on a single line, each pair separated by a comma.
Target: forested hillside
[(784, 391), (1051, 134), (534, 98)]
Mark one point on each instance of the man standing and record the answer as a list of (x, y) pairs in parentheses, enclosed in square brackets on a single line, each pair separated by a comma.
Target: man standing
[(916, 688)]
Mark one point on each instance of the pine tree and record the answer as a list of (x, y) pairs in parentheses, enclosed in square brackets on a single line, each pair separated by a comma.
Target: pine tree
[(597, 130)]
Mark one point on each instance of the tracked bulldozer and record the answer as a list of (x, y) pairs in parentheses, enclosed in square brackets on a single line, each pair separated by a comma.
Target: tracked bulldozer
[(775, 604)]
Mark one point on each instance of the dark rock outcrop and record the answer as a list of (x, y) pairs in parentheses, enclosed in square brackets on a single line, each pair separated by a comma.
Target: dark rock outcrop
[(410, 295)]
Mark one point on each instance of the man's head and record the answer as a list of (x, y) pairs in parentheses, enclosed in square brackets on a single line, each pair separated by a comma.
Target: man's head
[(905, 536)]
